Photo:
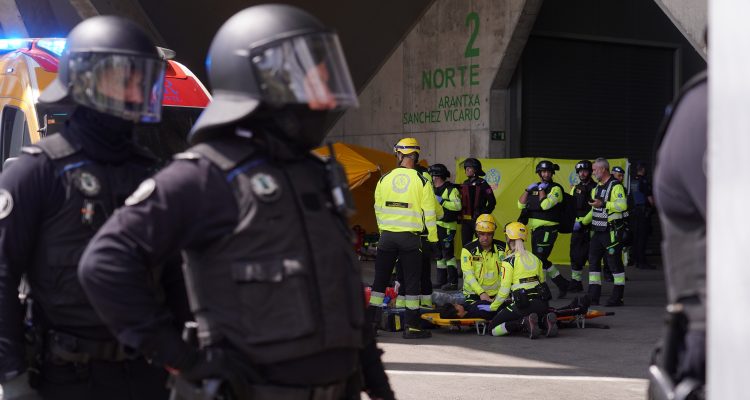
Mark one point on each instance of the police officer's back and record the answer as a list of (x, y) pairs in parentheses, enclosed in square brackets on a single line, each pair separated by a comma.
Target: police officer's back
[(57, 195), (271, 274)]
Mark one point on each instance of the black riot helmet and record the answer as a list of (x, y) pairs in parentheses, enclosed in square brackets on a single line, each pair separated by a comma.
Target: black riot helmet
[(474, 163), (546, 165), (439, 170), (279, 62), (110, 65), (584, 165)]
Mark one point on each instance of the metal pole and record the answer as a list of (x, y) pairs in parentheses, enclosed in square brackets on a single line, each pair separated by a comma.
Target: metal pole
[(728, 217)]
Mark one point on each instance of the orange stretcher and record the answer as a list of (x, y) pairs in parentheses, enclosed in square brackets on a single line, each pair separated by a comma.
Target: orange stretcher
[(480, 324)]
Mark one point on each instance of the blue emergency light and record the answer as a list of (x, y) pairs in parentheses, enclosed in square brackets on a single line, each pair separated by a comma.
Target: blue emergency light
[(13, 44), (53, 45)]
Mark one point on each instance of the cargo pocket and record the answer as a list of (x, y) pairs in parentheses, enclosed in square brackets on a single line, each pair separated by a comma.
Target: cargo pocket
[(66, 290), (278, 299)]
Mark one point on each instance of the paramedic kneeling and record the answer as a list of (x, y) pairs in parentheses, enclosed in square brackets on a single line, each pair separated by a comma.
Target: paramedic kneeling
[(522, 274)]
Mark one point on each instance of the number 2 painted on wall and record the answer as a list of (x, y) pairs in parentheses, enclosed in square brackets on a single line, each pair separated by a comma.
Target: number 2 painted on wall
[(472, 51)]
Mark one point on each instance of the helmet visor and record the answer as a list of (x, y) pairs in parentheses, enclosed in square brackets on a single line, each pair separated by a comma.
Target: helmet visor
[(126, 86), (309, 70)]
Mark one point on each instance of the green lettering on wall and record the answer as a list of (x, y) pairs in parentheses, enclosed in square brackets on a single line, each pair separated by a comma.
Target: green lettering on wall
[(472, 51)]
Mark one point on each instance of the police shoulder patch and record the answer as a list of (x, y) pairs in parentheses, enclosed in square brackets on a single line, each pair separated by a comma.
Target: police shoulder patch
[(265, 187), (186, 155), (33, 150), (6, 203), (144, 190)]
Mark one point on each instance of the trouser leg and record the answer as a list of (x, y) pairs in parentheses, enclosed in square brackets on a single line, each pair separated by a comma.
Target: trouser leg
[(596, 252), (639, 225), (542, 241), (467, 231), (388, 252), (425, 289), (579, 253), (441, 266), (614, 259)]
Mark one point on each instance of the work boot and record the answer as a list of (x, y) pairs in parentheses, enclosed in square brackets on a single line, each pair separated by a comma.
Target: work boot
[(531, 325), (575, 286), (550, 321), (595, 292), (452, 279), (442, 278), (616, 299), (415, 333), (585, 302), (562, 286)]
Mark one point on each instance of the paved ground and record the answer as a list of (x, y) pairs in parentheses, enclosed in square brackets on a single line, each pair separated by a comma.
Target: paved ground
[(579, 364)]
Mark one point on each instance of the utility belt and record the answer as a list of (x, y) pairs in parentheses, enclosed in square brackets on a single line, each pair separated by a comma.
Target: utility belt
[(216, 389), (65, 348), (522, 297)]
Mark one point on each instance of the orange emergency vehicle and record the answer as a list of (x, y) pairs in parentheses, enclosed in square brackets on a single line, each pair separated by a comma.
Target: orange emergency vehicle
[(27, 66)]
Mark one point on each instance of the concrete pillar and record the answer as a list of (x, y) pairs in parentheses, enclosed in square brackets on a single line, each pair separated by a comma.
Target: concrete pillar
[(11, 21), (437, 84), (690, 17), (728, 145)]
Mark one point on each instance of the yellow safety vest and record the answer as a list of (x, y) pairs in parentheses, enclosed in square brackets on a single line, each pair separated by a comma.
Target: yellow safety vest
[(482, 268), (405, 202), (518, 273)]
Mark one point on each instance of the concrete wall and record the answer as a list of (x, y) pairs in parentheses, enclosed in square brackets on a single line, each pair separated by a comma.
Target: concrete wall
[(690, 17), (436, 85)]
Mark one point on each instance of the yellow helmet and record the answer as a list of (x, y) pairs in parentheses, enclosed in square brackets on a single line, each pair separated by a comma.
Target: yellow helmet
[(515, 230), (406, 146), (485, 223)]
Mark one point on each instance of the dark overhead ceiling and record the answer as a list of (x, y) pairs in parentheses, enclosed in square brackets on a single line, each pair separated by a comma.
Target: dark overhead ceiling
[(369, 30)]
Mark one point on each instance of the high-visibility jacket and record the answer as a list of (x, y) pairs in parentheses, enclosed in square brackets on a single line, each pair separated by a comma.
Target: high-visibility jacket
[(518, 272), (541, 212), (481, 268), (404, 202), (450, 205), (612, 193)]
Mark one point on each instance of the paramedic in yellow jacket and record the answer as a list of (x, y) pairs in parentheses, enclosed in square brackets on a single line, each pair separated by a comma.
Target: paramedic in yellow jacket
[(448, 197), (522, 281), (404, 207), (608, 224), (481, 262)]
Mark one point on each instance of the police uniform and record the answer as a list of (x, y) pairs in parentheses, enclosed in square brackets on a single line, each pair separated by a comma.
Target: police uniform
[(640, 216), (271, 275), (482, 269), (55, 197), (680, 188), (607, 225), (581, 238), (58, 194), (543, 220)]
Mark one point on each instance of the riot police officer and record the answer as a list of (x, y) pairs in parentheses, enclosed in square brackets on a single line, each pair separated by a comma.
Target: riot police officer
[(541, 207), (477, 198), (448, 197), (580, 238), (56, 196), (272, 279)]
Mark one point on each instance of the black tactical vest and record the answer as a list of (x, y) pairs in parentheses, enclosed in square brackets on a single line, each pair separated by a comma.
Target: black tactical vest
[(534, 205), (582, 196), (285, 284), (92, 192)]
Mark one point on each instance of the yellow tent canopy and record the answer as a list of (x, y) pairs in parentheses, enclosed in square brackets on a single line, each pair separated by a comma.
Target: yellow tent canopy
[(364, 167)]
